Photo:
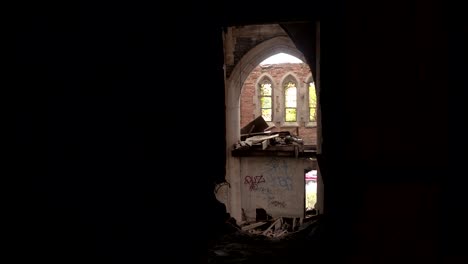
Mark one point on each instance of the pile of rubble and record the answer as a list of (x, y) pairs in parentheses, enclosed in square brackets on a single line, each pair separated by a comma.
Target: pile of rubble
[(271, 241), (257, 136), (267, 138), (273, 228)]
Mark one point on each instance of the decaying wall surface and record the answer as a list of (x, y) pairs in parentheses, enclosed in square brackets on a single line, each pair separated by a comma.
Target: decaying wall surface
[(275, 184)]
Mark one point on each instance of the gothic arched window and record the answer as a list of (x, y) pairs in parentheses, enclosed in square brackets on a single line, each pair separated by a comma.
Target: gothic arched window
[(312, 102), (290, 101), (266, 99)]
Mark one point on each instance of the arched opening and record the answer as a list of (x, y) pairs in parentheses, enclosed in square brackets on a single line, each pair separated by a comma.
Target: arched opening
[(259, 85), (283, 83)]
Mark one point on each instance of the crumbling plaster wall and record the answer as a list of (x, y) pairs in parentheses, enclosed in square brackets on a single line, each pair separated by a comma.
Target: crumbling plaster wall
[(275, 184)]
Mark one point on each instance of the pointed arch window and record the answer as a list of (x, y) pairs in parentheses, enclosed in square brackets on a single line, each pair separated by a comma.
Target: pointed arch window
[(266, 100), (312, 102), (290, 101)]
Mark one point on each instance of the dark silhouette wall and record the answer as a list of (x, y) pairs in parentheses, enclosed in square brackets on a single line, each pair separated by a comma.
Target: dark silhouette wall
[(100, 179)]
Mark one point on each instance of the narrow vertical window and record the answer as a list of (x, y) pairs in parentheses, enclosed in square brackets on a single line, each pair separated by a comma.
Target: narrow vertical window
[(266, 101), (290, 99), (312, 103)]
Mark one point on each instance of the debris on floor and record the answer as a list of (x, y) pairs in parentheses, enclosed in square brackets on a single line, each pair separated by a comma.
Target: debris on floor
[(257, 139), (271, 241), (274, 228)]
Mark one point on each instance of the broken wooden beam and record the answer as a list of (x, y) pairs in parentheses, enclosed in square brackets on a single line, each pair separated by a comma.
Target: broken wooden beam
[(279, 220), (252, 226)]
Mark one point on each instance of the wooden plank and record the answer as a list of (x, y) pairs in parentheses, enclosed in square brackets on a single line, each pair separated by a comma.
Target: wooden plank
[(272, 225), (259, 138), (251, 226), (257, 125), (265, 144), (280, 233)]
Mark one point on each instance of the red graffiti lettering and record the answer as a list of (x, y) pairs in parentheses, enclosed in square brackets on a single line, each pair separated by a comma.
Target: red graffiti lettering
[(253, 181)]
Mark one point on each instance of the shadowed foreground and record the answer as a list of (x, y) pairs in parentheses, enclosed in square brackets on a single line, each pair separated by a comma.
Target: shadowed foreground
[(243, 247)]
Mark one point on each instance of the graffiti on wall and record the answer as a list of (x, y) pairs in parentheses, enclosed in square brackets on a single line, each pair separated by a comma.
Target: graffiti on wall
[(285, 182), (279, 173), (278, 204), (253, 181), (277, 187), (266, 192)]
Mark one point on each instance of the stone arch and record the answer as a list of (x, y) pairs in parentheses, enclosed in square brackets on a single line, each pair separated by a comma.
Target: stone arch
[(262, 77), (309, 78), (233, 87), (256, 55), (290, 76), (242, 70)]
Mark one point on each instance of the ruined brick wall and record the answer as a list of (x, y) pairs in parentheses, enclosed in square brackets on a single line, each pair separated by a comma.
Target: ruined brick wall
[(248, 98)]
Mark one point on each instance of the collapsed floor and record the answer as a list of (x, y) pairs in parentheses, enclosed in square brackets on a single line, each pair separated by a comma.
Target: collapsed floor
[(260, 245)]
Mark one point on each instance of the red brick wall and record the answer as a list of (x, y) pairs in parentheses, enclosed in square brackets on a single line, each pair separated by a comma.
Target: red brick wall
[(277, 72)]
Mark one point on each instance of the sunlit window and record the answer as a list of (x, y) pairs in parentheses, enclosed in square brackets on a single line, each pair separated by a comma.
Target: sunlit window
[(266, 102), (290, 99), (312, 103)]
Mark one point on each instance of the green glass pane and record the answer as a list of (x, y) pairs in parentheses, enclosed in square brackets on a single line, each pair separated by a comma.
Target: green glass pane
[(266, 114), (290, 96), (265, 89), (312, 96), (312, 114), (290, 114), (265, 102)]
